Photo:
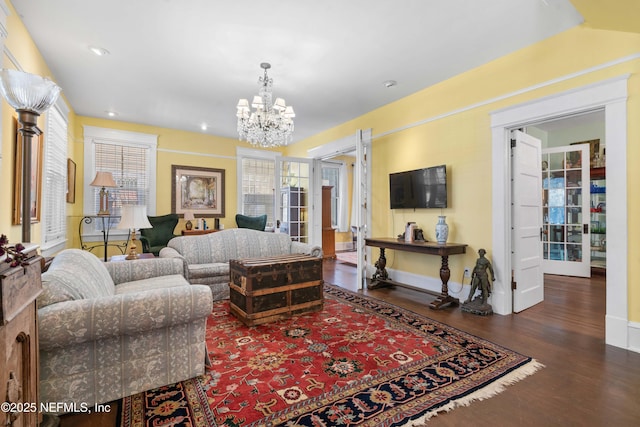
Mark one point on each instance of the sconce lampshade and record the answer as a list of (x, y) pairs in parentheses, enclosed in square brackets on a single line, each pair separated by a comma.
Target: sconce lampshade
[(30, 92)]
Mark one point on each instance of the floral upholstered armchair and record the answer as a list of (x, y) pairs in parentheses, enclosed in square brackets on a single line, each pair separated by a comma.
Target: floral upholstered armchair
[(110, 330)]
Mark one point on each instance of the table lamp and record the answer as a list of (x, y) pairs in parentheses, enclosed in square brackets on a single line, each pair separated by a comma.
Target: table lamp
[(188, 216), (133, 216), (103, 179), (30, 95)]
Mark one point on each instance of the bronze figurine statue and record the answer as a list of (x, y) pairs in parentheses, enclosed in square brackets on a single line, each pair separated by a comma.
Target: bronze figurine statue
[(480, 281)]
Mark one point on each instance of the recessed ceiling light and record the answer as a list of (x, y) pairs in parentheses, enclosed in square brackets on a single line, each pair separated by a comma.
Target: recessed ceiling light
[(111, 113), (389, 83), (99, 51), (203, 126)]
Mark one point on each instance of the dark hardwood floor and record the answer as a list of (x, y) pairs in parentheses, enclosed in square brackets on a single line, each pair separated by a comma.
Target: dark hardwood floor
[(584, 382)]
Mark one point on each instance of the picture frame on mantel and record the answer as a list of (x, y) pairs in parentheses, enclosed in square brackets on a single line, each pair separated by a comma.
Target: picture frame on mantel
[(36, 176), (197, 189)]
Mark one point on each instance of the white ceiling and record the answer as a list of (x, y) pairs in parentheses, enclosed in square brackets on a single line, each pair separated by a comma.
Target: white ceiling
[(181, 64)]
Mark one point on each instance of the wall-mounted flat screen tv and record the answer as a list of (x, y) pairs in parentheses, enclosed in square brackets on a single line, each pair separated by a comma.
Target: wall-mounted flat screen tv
[(420, 188)]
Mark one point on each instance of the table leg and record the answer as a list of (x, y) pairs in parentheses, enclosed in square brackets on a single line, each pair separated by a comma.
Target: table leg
[(444, 299), (379, 277)]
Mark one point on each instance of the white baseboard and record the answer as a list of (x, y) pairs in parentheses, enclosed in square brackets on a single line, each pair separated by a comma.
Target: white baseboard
[(634, 337), (344, 246), (433, 284)]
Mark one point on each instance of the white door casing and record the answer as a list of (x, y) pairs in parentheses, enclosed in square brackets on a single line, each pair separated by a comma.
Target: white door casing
[(611, 95), (527, 221)]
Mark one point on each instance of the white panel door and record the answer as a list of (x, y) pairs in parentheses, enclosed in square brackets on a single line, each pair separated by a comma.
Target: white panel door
[(565, 210), (527, 221)]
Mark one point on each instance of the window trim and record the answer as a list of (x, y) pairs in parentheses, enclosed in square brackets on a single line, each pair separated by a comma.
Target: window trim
[(249, 153), (92, 135)]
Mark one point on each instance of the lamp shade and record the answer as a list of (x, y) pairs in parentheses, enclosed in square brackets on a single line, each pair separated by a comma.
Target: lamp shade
[(24, 91), (134, 216), (188, 216), (103, 179)]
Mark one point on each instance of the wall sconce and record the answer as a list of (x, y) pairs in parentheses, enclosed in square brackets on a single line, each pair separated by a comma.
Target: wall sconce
[(30, 95)]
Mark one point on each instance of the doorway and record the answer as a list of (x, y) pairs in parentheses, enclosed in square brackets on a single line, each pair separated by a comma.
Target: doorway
[(572, 151), (609, 95)]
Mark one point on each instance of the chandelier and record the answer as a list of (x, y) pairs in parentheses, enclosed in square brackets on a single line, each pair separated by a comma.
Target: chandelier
[(271, 123)]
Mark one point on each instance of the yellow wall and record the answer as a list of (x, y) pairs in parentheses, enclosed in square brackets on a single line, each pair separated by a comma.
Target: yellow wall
[(461, 139), (175, 147), (21, 47)]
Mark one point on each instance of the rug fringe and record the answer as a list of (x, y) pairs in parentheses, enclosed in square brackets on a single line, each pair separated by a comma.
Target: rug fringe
[(485, 393)]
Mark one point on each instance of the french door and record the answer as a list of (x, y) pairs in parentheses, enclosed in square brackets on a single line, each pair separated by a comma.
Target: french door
[(565, 210), (294, 196)]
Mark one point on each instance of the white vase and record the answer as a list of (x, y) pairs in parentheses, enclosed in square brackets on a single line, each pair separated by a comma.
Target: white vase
[(442, 230)]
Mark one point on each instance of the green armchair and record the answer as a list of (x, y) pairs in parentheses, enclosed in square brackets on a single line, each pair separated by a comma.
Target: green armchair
[(156, 238), (252, 222)]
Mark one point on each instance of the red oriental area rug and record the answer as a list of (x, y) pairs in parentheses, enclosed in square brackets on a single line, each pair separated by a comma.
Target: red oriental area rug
[(360, 362)]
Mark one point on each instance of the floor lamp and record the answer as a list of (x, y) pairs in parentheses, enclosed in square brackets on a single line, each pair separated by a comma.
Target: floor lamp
[(30, 95)]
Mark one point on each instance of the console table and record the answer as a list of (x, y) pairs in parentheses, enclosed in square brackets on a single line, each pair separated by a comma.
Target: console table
[(106, 228), (381, 277)]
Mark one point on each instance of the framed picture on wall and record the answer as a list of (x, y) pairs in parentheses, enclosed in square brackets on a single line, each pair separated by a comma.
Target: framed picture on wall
[(36, 176), (71, 181), (594, 150), (198, 190)]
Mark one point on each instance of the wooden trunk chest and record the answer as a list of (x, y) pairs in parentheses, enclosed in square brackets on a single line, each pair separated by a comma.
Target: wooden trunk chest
[(268, 289)]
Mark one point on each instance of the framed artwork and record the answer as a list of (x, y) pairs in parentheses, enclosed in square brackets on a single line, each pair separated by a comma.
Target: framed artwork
[(594, 150), (198, 190), (71, 181), (36, 177)]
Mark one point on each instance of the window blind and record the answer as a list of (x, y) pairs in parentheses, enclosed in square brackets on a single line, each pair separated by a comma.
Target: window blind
[(54, 179), (129, 167), (258, 186)]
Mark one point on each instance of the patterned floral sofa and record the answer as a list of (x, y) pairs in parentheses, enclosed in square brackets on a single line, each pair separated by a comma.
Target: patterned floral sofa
[(109, 330), (206, 257)]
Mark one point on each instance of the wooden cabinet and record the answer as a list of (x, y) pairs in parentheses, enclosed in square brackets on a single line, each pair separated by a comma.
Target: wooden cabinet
[(328, 232), (19, 287)]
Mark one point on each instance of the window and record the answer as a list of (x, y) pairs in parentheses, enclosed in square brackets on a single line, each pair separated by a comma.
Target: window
[(54, 179), (258, 184), (131, 159)]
